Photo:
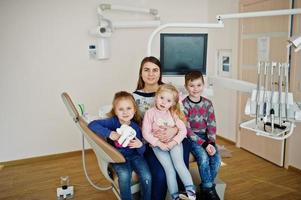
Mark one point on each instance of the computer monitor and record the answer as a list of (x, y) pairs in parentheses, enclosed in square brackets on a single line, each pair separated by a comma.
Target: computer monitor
[(183, 52)]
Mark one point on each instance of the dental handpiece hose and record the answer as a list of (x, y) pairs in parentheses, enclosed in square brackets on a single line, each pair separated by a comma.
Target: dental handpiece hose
[(272, 111), (265, 93), (258, 91), (286, 90), (280, 93)]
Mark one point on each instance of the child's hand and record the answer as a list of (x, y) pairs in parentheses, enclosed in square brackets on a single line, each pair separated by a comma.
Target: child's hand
[(160, 133), (163, 146), (114, 136), (171, 144), (210, 149), (166, 133), (135, 143)]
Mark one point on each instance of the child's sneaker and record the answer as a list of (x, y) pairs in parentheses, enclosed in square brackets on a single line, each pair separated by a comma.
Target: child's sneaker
[(175, 196), (190, 195)]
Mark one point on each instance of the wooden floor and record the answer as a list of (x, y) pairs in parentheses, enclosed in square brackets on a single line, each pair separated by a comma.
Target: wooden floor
[(247, 177)]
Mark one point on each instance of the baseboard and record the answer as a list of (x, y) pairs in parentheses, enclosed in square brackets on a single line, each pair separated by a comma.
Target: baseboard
[(225, 139), (42, 158), (294, 169)]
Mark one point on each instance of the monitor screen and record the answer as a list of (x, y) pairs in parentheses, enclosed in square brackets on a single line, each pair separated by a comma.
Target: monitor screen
[(183, 52)]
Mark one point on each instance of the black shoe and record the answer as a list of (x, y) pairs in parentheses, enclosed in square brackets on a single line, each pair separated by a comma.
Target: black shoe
[(212, 194), (201, 196), (209, 194)]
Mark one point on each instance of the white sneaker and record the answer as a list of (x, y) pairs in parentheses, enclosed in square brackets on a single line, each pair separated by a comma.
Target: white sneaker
[(189, 197), (192, 197), (183, 197)]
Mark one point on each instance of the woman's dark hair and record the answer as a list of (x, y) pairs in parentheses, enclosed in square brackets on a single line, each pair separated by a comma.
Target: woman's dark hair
[(152, 59)]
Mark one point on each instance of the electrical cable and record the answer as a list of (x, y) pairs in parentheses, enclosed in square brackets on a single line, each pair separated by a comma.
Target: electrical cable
[(85, 170), (82, 109)]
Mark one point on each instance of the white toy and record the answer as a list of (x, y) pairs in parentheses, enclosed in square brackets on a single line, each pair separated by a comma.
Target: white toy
[(127, 134)]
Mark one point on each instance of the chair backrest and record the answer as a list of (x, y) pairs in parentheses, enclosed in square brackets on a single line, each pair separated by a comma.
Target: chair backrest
[(104, 152)]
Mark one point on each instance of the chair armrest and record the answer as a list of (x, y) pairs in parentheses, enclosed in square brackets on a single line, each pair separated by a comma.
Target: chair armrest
[(115, 155)]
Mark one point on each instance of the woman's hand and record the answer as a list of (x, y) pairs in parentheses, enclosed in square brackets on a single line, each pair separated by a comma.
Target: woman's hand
[(166, 133), (114, 136), (135, 143)]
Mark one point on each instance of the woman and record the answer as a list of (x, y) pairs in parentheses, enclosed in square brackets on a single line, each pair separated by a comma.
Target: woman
[(150, 78)]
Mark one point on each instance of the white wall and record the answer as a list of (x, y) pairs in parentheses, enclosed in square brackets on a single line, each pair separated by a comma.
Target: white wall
[(44, 51), (224, 39)]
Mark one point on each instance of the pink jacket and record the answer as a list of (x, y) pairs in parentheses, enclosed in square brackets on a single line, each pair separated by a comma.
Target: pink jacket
[(155, 118)]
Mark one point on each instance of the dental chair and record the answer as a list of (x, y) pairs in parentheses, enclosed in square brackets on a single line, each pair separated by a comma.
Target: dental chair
[(105, 153)]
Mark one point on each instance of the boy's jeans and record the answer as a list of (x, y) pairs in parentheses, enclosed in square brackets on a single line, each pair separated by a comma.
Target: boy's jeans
[(208, 165), (124, 173), (172, 161)]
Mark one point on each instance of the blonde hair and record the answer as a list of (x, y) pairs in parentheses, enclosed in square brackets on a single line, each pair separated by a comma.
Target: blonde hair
[(174, 109), (123, 95)]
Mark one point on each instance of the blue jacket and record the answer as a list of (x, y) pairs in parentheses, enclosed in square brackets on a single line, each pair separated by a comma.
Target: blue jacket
[(103, 128)]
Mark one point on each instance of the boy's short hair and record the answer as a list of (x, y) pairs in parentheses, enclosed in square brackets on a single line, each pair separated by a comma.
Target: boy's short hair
[(193, 75)]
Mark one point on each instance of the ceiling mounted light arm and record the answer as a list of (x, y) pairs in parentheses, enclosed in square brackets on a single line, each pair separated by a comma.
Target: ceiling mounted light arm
[(103, 7), (259, 14), (295, 41), (136, 24), (130, 24)]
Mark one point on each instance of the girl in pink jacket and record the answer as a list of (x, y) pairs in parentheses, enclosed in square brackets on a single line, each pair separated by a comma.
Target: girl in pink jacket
[(166, 112)]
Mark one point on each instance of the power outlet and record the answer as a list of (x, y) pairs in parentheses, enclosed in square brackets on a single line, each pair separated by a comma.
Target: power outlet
[(92, 52)]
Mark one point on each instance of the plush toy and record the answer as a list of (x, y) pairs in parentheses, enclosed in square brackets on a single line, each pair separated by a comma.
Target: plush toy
[(126, 133)]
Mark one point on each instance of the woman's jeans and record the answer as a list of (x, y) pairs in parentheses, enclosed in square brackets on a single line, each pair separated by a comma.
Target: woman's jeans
[(173, 163), (124, 173), (208, 165)]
